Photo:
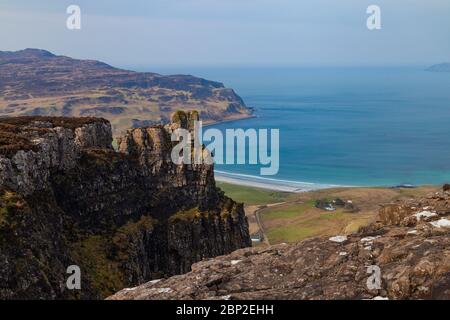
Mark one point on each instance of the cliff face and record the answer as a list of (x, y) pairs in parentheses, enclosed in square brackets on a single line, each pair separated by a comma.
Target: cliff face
[(410, 244), (67, 197)]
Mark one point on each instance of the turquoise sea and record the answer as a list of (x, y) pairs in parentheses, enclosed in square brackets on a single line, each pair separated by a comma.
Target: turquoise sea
[(346, 126)]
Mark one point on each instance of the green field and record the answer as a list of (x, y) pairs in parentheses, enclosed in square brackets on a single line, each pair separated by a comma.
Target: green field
[(251, 195), (296, 222), (289, 211), (296, 218)]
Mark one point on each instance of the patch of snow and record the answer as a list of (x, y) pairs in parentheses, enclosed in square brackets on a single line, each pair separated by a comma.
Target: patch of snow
[(233, 262), (425, 214), (369, 239), (343, 253), (368, 248), (412, 232), (164, 290), (338, 239), (442, 223), (130, 289), (227, 297), (380, 298), (155, 281)]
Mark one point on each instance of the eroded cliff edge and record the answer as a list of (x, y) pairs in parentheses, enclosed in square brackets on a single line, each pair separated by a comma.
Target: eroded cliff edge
[(125, 217)]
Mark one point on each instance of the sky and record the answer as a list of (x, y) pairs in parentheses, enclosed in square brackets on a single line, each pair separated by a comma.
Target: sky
[(145, 33)]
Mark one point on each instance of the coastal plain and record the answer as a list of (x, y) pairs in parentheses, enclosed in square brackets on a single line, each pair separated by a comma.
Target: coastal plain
[(286, 217)]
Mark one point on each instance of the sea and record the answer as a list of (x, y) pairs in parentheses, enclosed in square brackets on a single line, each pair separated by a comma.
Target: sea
[(342, 126)]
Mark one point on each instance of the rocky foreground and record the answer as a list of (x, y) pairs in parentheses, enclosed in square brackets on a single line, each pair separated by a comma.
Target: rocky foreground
[(410, 243)]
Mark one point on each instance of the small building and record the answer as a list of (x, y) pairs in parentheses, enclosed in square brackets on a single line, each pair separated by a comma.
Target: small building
[(257, 237)]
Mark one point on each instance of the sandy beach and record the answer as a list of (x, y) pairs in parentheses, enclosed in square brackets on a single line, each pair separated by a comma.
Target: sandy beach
[(270, 184)]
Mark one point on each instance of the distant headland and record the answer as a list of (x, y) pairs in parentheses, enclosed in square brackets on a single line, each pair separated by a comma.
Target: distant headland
[(441, 67)]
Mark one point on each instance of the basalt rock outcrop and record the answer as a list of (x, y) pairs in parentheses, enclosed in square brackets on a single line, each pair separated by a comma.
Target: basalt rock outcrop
[(409, 245), (124, 217)]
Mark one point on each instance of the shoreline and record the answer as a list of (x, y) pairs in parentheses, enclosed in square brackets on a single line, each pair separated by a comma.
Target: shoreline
[(291, 186), (212, 123), (272, 184)]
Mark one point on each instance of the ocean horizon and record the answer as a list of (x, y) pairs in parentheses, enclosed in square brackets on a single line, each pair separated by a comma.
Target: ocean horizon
[(343, 126)]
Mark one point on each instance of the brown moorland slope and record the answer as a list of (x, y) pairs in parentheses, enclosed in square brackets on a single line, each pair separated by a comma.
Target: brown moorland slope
[(36, 82)]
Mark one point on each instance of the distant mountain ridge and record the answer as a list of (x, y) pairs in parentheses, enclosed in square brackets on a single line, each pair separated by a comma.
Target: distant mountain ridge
[(38, 82), (441, 67)]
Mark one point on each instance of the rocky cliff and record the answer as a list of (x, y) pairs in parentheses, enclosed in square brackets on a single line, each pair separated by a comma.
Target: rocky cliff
[(124, 217), (38, 83), (410, 244)]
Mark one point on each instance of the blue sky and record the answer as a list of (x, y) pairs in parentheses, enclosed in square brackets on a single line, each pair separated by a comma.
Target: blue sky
[(145, 33)]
